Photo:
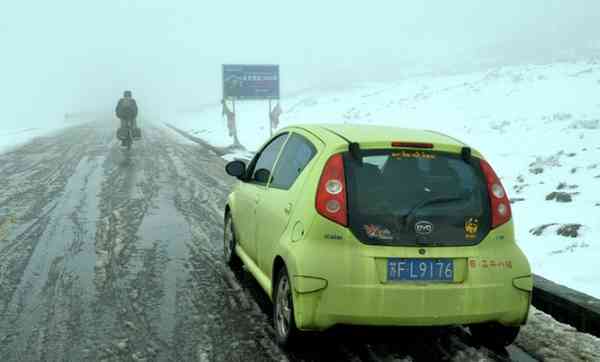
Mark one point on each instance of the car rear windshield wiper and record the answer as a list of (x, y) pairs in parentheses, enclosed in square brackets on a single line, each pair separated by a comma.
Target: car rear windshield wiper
[(433, 201)]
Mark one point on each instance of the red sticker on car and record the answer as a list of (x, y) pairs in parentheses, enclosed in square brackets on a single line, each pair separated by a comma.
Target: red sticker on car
[(490, 263), (378, 232)]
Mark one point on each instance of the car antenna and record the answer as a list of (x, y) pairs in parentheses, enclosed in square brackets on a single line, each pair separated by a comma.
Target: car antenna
[(354, 149)]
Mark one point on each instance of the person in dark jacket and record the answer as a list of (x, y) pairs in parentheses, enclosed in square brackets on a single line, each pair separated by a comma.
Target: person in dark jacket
[(127, 109)]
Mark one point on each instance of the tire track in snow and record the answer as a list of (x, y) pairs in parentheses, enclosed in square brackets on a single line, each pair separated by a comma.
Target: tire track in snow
[(44, 314), (201, 192)]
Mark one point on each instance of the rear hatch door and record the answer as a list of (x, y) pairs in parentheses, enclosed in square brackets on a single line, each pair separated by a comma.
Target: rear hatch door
[(410, 197)]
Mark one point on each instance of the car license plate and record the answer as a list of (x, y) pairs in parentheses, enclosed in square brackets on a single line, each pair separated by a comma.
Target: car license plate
[(438, 270)]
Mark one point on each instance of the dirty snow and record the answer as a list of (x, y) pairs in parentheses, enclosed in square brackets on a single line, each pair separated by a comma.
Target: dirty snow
[(549, 340)]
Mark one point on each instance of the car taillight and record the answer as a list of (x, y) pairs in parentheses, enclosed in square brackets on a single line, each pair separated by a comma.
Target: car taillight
[(331, 194), (501, 212)]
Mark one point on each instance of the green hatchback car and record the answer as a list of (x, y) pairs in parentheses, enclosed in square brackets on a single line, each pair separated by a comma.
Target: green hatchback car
[(377, 226)]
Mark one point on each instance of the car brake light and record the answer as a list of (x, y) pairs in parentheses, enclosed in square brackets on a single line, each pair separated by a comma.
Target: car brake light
[(501, 211), (331, 194), (412, 144)]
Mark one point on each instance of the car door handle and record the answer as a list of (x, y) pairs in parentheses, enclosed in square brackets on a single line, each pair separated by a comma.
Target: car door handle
[(288, 209)]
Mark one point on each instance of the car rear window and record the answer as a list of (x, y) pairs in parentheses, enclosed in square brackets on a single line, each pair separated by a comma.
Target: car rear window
[(407, 197)]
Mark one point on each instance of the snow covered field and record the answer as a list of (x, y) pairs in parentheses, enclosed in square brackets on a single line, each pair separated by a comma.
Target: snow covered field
[(10, 138), (538, 125), (15, 134)]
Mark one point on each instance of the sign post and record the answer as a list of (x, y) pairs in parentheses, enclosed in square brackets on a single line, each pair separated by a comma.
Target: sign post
[(251, 82), (270, 120)]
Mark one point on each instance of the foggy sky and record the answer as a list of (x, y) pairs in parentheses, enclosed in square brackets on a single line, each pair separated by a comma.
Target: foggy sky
[(63, 56)]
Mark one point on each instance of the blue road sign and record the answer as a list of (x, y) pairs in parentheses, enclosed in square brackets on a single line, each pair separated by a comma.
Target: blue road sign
[(250, 81)]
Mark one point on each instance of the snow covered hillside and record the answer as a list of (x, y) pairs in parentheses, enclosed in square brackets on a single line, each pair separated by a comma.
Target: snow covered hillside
[(14, 134), (538, 125), (14, 137)]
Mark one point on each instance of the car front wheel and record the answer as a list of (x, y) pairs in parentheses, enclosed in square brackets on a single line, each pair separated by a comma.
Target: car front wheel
[(494, 334), (229, 243), (283, 310)]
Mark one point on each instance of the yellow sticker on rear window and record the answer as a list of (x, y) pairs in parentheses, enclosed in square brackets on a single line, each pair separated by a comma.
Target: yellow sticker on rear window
[(414, 154), (471, 227)]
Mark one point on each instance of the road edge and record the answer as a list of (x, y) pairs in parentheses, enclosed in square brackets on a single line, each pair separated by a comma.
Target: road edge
[(567, 305), (219, 151)]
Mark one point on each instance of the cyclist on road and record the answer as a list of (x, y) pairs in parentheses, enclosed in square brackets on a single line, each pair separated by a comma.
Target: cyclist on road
[(127, 111)]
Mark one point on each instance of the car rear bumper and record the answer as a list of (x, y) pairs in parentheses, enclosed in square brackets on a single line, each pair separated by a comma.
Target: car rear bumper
[(346, 283), (411, 305)]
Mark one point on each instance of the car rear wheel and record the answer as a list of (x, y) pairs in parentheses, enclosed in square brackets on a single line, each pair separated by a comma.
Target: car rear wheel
[(229, 243), (283, 310), (494, 334)]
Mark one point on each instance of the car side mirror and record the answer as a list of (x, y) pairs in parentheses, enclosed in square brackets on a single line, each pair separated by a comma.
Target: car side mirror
[(236, 169)]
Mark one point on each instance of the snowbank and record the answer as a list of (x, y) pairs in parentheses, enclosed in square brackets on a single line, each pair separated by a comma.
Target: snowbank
[(549, 340)]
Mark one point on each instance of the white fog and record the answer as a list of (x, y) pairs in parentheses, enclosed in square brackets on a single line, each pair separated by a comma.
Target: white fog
[(68, 56)]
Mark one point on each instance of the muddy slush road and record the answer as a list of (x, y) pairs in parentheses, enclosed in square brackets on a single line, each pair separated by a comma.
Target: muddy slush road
[(110, 255)]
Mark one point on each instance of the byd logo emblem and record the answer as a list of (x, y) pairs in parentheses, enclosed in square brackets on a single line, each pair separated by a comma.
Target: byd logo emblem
[(423, 228)]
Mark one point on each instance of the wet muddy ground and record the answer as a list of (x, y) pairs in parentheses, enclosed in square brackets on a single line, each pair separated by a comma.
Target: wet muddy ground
[(115, 255)]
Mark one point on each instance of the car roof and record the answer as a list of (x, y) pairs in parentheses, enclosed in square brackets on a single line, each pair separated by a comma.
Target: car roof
[(363, 133)]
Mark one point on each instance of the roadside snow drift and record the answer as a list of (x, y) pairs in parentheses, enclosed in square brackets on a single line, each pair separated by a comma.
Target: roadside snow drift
[(549, 340)]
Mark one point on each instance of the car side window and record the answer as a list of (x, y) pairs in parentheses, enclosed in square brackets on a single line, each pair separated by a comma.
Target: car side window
[(296, 155), (262, 166)]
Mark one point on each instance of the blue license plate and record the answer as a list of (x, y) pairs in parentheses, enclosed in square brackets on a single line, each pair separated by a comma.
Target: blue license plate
[(437, 270)]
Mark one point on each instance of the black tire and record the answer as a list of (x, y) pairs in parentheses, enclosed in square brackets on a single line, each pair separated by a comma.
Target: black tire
[(229, 243), (494, 335), (286, 332)]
